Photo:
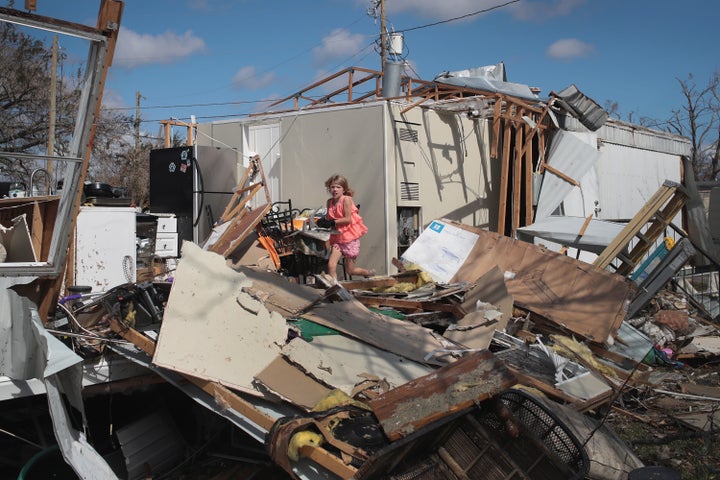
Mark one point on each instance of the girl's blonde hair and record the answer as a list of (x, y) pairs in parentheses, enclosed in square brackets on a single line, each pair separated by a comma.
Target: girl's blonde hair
[(342, 181)]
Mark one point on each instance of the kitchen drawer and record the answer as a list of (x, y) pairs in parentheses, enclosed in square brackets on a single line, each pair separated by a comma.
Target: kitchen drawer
[(166, 244), (167, 225)]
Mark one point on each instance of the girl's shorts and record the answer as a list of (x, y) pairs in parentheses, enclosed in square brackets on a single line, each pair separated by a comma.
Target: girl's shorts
[(349, 249)]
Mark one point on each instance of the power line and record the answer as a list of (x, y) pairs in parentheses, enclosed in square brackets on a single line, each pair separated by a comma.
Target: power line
[(485, 10), (191, 105)]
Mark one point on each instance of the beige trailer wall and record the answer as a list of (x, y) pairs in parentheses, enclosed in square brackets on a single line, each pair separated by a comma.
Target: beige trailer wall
[(381, 150), (348, 141), (221, 134), (448, 156)]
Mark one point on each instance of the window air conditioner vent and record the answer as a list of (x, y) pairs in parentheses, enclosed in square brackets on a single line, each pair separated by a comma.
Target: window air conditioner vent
[(408, 135), (410, 191)]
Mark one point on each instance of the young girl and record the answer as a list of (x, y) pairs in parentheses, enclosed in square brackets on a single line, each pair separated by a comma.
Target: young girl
[(342, 215)]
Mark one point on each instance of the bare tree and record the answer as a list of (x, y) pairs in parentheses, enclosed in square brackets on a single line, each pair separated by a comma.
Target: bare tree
[(697, 120), (25, 65)]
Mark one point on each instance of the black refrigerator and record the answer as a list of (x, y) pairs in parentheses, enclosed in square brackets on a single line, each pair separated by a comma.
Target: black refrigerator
[(195, 184)]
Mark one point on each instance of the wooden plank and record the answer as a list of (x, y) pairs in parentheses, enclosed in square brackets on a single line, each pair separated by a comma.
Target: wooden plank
[(517, 181), (560, 174), (49, 215), (641, 218), (584, 227), (449, 389), (403, 338), (504, 179), (413, 305), (133, 336), (330, 462), (239, 228), (528, 179), (36, 229), (368, 284), (495, 145)]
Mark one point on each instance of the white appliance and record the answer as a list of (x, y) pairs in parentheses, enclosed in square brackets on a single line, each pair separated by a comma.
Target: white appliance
[(105, 247)]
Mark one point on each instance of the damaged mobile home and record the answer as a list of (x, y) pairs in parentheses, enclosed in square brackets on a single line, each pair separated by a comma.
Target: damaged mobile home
[(525, 245)]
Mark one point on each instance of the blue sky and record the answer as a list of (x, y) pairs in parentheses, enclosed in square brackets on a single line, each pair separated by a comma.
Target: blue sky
[(216, 59)]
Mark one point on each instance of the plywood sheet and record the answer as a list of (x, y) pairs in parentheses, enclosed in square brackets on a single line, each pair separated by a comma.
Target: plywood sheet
[(579, 296), (400, 337), (213, 330), (291, 384), (278, 294), (449, 389), (17, 241), (489, 306), (342, 362)]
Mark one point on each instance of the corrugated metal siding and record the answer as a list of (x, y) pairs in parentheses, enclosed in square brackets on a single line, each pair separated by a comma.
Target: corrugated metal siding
[(153, 442), (630, 135)]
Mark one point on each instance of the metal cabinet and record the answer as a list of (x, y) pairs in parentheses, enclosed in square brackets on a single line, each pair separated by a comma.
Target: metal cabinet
[(105, 247)]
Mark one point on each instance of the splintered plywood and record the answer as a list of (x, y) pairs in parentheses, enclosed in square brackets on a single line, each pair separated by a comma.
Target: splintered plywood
[(17, 241), (398, 336), (342, 362), (581, 297), (278, 294), (291, 384), (489, 307), (211, 329), (449, 389)]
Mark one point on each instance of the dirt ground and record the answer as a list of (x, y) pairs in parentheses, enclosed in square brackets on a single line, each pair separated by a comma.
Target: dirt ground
[(657, 427)]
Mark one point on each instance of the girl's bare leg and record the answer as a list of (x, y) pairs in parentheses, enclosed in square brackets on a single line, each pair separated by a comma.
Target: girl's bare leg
[(333, 260), (351, 269)]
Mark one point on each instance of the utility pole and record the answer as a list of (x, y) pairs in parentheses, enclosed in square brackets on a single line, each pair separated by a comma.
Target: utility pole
[(383, 37), (137, 119), (53, 101)]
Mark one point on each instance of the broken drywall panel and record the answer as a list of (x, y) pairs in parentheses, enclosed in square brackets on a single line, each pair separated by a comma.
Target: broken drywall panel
[(400, 337), (707, 345), (291, 384), (573, 158), (17, 241), (211, 329), (489, 307), (342, 362), (475, 330), (578, 296), (440, 250), (447, 390), (278, 294)]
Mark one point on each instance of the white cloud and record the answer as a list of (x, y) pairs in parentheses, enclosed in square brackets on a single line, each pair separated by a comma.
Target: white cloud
[(134, 49), (522, 10), (436, 10), (545, 9), (112, 99), (569, 48), (248, 77), (340, 43)]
